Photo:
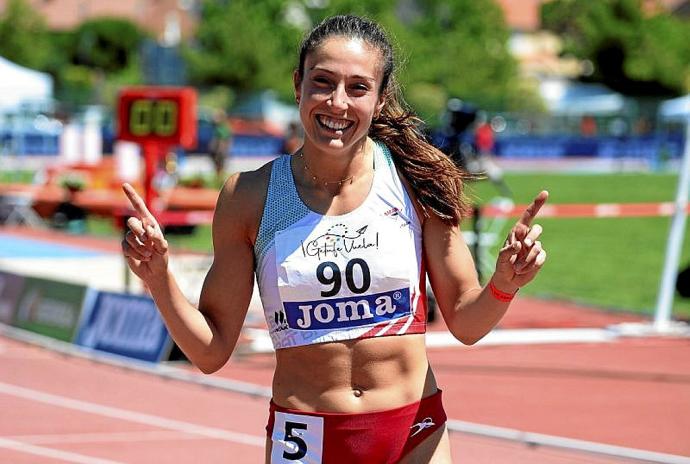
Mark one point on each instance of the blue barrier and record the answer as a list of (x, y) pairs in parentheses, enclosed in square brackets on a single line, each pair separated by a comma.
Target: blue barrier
[(256, 145), (651, 147), (126, 325), (30, 143), (242, 145)]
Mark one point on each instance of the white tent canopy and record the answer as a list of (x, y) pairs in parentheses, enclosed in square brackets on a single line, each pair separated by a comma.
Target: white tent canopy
[(677, 108), (20, 85), (566, 97)]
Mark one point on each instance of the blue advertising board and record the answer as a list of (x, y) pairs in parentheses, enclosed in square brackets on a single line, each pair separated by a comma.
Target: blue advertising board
[(126, 325)]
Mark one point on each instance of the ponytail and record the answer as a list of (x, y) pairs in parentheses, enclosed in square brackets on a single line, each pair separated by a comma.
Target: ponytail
[(436, 180)]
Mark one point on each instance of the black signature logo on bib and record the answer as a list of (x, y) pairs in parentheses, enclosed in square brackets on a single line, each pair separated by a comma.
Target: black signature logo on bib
[(339, 240)]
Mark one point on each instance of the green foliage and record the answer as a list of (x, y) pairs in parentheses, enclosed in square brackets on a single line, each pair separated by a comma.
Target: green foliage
[(461, 46), (109, 87), (428, 100), (95, 60), (73, 181), (24, 36), (218, 97), (246, 45), (107, 44), (632, 52), (21, 176), (448, 48), (75, 84), (88, 63)]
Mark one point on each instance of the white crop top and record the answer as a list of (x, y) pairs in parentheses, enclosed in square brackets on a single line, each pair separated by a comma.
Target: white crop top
[(332, 278)]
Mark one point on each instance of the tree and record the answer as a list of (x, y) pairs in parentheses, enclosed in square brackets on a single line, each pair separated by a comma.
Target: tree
[(24, 36), (107, 44), (631, 52), (449, 48), (461, 47), (245, 45)]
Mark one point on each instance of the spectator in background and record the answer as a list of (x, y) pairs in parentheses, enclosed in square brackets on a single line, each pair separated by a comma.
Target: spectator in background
[(483, 163), (484, 139), (643, 126), (293, 138), (220, 142), (68, 215), (588, 126)]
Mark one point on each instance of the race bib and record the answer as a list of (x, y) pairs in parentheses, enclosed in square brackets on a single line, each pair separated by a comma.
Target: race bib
[(297, 438), (341, 276)]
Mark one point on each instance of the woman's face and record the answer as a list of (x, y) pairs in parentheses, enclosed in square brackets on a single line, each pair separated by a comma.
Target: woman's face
[(339, 93)]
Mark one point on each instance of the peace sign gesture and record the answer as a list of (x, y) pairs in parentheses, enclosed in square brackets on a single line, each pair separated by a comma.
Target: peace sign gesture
[(144, 246), (522, 255)]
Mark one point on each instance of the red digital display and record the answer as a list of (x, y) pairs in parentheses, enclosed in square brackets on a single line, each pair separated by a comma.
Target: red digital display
[(165, 115)]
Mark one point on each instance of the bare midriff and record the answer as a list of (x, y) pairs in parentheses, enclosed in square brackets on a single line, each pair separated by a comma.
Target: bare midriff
[(354, 376)]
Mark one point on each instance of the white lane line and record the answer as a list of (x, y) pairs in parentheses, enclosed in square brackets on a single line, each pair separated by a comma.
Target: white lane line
[(554, 441), (131, 416), (526, 336), (106, 437), (261, 342), (52, 453)]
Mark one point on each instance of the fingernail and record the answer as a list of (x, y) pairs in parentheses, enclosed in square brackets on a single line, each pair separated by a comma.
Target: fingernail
[(528, 242)]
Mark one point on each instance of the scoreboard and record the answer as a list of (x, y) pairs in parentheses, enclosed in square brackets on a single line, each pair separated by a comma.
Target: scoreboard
[(161, 115)]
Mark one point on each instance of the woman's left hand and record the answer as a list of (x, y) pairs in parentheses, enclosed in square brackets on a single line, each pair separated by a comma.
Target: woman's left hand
[(522, 255)]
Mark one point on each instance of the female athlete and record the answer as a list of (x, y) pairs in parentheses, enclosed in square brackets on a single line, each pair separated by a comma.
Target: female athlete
[(341, 236)]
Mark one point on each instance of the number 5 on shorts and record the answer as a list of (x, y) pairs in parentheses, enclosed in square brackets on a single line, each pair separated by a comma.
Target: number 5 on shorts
[(296, 439)]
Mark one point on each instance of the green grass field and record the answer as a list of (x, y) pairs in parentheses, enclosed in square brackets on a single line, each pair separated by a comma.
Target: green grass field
[(608, 262)]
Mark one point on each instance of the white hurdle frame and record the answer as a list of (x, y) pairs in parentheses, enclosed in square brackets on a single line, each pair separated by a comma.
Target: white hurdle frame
[(664, 304)]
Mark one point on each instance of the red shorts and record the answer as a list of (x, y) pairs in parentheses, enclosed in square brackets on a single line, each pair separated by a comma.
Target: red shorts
[(382, 437)]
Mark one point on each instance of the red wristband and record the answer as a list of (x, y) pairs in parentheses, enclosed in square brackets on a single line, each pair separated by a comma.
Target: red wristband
[(499, 295)]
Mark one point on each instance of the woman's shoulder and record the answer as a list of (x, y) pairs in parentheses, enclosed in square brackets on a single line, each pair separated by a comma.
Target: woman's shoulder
[(242, 198)]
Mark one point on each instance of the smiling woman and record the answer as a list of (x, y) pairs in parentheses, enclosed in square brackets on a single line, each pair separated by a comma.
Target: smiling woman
[(341, 237)]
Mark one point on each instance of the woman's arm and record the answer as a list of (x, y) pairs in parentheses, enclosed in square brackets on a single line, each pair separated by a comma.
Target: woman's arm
[(469, 310), (208, 334)]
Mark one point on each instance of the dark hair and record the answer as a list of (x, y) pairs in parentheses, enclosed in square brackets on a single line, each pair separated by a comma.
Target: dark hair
[(436, 180)]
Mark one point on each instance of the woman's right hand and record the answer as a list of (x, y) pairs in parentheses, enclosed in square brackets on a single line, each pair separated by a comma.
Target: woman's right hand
[(144, 246)]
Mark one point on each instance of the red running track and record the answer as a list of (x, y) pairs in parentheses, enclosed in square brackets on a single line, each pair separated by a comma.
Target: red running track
[(633, 393)]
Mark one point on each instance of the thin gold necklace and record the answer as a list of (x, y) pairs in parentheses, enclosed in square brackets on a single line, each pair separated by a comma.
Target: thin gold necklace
[(317, 180)]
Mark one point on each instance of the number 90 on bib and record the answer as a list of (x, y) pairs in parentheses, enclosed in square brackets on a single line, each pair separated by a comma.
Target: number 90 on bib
[(297, 439)]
